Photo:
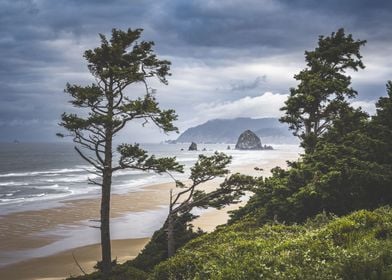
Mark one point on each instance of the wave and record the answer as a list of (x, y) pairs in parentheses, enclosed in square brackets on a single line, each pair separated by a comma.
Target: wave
[(6, 195), (12, 183), (57, 172), (71, 179), (18, 199), (44, 172), (129, 172), (37, 193), (135, 184), (32, 197), (55, 186), (11, 200)]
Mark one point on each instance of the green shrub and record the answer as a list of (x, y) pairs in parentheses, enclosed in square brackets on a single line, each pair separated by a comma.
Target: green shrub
[(323, 248)]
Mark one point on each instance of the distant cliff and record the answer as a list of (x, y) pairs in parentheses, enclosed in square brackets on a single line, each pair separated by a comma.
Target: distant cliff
[(270, 130)]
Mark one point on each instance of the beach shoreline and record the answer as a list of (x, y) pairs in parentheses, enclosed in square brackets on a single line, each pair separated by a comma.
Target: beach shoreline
[(62, 264), (59, 263)]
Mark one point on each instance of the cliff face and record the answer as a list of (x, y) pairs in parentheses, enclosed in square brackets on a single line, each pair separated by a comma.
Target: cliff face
[(248, 140)]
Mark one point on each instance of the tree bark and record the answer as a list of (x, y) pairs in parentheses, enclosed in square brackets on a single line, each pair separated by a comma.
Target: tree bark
[(105, 224), (170, 229), (170, 236), (106, 188)]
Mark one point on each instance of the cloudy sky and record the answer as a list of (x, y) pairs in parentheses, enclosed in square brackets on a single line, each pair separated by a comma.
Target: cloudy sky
[(229, 58)]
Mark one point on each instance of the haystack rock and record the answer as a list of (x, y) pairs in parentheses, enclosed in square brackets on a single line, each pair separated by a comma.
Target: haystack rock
[(192, 147), (248, 140)]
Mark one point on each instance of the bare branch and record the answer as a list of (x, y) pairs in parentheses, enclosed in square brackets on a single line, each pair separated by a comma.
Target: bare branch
[(77, 263), (91, 181), (119, 100)]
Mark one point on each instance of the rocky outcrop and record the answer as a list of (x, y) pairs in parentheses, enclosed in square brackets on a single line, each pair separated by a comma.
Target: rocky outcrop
[(248, 140), (192, 147), (220, 131)]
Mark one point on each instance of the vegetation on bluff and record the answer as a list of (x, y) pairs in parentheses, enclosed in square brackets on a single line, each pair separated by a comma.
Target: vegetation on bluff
[(358, 246), (350, 169)]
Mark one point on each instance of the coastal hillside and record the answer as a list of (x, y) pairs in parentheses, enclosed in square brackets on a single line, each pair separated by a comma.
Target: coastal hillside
[(270, 130), (357, 246)]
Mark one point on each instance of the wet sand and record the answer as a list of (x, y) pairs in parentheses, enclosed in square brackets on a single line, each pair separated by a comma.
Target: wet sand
[(63, 265), (19, 230), (27, 230)]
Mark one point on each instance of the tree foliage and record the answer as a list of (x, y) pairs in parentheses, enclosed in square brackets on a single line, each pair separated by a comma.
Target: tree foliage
[(350, 169), (358, 246), (323, 87)]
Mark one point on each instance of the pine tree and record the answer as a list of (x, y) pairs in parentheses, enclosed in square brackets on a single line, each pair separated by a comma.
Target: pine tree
[(106, 108), (324, 87)]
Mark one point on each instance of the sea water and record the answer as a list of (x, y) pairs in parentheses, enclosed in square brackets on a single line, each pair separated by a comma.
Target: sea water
[(37, 175)]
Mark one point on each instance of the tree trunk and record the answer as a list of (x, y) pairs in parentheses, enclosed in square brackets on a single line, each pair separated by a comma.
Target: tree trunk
[(170, 236), (105, 224), (106, 189)]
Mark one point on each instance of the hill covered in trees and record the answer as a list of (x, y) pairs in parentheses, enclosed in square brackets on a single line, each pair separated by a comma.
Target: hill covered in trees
[(270, 130)]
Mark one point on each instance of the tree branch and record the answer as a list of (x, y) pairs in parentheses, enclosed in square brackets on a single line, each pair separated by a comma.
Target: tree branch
[(88, 159)]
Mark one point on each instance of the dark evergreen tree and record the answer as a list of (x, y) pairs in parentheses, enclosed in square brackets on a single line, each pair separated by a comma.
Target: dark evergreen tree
[(106, 108), (381, 126), (324, 87), (349, 169), (347, 162)]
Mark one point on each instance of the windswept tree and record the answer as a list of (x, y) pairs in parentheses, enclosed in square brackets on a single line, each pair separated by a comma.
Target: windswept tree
[(189, 195), (193, 196), (323, 87), (106, 108)]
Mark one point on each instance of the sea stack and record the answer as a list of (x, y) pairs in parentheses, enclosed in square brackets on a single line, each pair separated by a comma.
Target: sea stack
[(248, 140), (192, 147)]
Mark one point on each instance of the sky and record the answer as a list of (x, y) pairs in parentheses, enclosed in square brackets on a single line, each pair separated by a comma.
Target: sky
[(229, 58)]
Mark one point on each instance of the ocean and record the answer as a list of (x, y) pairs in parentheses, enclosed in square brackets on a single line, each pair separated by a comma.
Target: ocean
[(52, 177), (38, 175)]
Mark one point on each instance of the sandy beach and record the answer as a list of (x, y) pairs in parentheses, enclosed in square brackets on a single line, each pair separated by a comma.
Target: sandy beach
[(32, 231), (62, 264)]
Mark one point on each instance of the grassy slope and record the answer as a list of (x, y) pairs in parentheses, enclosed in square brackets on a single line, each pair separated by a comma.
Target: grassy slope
[(358, 246)]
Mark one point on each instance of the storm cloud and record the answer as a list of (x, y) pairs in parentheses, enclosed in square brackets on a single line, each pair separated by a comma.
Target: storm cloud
[(223, 53)]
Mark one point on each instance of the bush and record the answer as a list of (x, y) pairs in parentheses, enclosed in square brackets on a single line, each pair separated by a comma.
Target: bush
[(358, 246)]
